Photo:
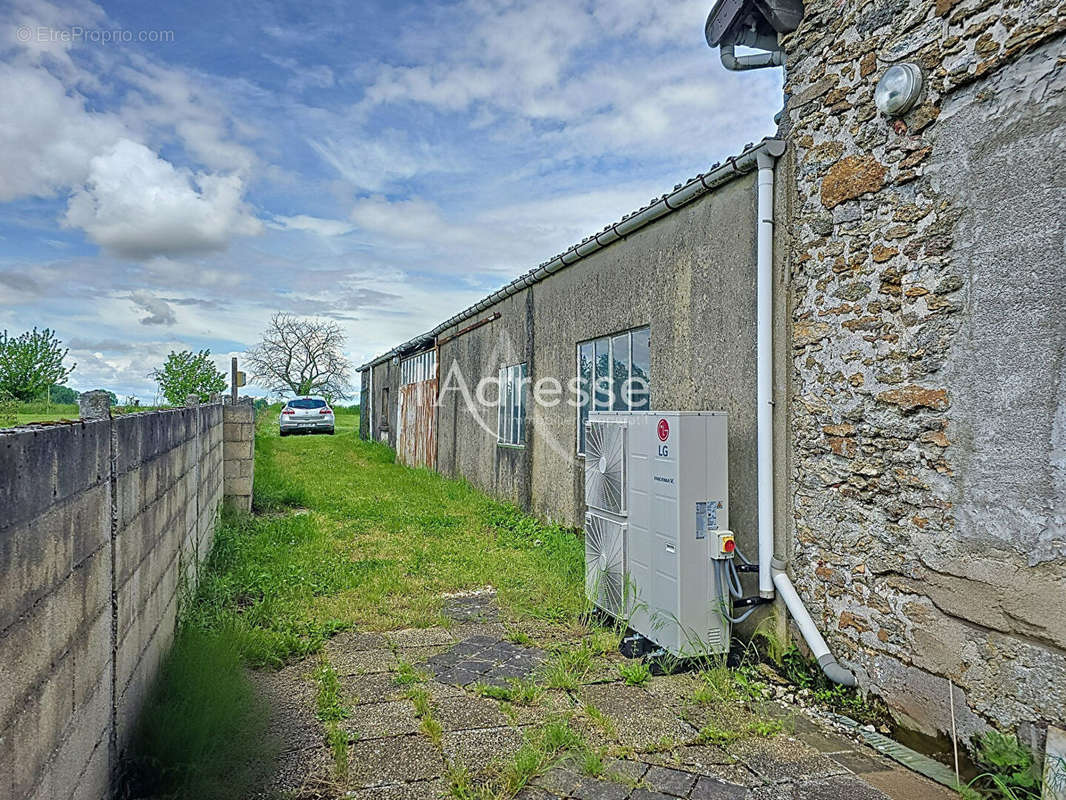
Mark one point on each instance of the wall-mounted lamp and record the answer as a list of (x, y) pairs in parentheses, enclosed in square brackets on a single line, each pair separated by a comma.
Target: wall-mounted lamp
[(898, 89)]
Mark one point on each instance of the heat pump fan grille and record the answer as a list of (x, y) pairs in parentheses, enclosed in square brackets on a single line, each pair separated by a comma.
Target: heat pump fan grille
[(605, 564), (605, 465)]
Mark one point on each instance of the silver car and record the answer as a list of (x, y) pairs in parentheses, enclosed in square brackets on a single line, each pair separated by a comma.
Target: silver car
[(307, 415)]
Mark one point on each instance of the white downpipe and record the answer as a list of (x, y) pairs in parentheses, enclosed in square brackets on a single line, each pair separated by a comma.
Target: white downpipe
[(764, 397), (819, 649), (772, 573)]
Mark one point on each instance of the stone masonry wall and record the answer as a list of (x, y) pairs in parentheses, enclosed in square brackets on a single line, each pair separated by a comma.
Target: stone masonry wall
[(928, 395), (102, 525)]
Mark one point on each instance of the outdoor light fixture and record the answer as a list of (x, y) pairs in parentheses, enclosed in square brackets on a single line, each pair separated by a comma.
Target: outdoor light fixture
[(898, 89)]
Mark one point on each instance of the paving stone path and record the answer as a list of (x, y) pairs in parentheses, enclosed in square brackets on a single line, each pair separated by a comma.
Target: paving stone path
[(654, 730)]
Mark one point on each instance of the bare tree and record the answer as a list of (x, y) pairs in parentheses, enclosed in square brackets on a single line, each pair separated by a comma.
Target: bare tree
[(302, 356)]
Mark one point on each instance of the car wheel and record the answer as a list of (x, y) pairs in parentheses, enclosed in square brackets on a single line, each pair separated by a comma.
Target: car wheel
[(330, 431), (283, 433)]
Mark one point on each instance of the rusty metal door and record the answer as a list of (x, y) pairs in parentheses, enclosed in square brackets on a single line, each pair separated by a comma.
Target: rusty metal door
[(417, 438)]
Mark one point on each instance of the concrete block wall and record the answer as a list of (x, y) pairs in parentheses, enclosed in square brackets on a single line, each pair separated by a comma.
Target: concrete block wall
[(238, 445), (103, 525)]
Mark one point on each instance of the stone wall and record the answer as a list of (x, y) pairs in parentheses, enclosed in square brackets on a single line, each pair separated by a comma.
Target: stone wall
[(103, 524), (928, 398)]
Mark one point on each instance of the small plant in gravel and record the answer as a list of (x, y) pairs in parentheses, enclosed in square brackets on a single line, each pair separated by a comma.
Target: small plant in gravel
[(634, 673)]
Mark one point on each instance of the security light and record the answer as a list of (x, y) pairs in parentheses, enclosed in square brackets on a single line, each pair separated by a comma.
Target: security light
[(755, 24), (898, 89)]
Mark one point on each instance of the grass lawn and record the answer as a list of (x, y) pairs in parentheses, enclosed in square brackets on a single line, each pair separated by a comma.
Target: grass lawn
[(371, 544)]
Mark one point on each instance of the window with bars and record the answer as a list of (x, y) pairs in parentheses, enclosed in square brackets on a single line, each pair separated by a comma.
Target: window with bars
[(512, 406), (614, 374), (420, 367)]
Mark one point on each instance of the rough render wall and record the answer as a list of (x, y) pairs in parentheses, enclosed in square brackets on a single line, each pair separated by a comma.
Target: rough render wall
[(466, 441), (691, 277), (927, 416), (383, 425), (121, 509)]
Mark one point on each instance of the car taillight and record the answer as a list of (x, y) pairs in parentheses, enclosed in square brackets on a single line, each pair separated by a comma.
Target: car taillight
[(288, 411), (326, 411)]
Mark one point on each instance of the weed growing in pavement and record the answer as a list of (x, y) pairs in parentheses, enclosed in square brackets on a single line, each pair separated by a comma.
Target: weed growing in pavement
[(406, 674), (766, 728), (519, 636), (423, 704), (331, 711), (567, 668), (591, 762), (710, 734), (520, 692), (634, 673), (601, 720)]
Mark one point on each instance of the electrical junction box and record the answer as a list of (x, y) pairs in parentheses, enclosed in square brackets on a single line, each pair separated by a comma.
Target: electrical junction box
[(657, 491)]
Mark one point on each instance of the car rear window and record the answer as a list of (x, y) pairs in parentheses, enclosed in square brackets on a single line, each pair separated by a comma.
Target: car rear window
[(307, 403)]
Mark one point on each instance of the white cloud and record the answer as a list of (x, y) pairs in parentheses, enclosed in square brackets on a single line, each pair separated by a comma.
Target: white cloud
[(159, 311), (315, 225), (372, 162), (137, 205), (47, 137)]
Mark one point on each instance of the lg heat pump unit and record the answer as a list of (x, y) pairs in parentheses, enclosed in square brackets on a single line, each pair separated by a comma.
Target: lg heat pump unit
[(657, 491)]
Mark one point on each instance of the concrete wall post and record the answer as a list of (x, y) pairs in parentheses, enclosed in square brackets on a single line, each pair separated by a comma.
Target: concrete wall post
[(238, 455), (94, 405)]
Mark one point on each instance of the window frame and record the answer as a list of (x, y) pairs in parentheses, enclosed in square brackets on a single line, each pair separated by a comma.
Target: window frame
[(589, 398), (511, 405)]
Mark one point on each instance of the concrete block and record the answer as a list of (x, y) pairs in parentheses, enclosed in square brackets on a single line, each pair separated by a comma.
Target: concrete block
[(95, 781), (38, 727), (237, 486), (86, 735)]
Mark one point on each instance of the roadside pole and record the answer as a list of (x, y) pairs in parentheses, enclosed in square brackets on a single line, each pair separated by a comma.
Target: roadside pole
[(233, 380)]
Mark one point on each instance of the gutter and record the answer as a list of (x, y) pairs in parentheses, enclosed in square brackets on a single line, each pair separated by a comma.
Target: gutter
[(682, 195)]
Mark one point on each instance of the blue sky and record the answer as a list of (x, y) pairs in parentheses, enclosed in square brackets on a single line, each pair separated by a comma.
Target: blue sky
[(381, 164)]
